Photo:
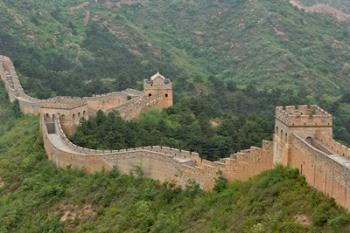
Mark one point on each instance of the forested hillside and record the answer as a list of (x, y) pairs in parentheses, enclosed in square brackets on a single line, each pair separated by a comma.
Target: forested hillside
[(64, 47)]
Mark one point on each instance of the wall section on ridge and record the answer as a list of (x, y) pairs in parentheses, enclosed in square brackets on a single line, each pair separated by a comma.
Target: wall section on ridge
[(325, 172)]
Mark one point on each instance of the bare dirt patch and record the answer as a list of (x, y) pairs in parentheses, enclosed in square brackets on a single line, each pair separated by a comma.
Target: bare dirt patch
[(71, 213), (135, 52), (18, 20), (114, 31), (78, 7), (111, 3), (302, 219), (87, 18), (279, 32), (322, 9), (2, 183), (215, 123)]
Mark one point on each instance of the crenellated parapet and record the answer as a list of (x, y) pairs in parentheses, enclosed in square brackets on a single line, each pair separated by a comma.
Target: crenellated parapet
[(308, 121), (303, 139), (303, 116)]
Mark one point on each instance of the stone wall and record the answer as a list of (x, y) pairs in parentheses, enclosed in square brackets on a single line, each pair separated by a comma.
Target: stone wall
[(66, 156), (335, 146), (249, 163), (106, 102), (139, 105), (327, 173), (156, 162)]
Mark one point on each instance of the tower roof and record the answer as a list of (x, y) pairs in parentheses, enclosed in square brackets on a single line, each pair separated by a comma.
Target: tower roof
[(157, 75)]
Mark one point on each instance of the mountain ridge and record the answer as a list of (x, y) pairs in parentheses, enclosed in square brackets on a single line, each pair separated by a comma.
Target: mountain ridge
[(288, 55)]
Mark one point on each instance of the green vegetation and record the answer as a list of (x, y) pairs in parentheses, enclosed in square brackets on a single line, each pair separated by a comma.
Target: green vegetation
[(196, 123), (35, 196), (231, 61), (267, 43)]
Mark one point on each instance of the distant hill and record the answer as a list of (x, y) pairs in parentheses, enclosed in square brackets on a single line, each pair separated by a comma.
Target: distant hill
[(75, 47)]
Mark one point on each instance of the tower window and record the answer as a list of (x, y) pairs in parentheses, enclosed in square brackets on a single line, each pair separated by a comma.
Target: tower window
[(150, 94), (166, 95)]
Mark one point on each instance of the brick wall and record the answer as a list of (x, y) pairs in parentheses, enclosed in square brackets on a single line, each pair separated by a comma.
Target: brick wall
[(327, 173)]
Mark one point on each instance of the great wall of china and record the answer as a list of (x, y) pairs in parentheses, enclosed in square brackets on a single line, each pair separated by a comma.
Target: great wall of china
[(303, 139)]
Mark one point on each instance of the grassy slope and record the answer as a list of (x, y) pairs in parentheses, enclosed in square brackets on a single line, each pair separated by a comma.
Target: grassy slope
[(36, 195)]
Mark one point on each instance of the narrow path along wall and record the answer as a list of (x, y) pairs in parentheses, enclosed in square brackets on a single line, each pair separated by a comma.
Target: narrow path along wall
[(156, 162), (328, 173)]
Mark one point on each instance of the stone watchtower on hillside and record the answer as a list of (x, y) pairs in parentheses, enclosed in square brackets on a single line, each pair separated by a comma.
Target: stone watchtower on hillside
[(307, 121), (68, 110), (159, 86)]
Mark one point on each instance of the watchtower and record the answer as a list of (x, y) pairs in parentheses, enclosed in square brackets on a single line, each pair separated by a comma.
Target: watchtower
[(68, 110), (307, 121), (159, 86)]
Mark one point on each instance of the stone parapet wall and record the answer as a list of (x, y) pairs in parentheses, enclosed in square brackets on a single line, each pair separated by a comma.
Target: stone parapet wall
[(303, 115), (139, 105), (335, 146), (249, 163), (108, 102), (327, 173), (157, 162)]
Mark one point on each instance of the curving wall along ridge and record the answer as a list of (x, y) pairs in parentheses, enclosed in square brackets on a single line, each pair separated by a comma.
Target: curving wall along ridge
[(59, 115), (156, 162), (303, 139)]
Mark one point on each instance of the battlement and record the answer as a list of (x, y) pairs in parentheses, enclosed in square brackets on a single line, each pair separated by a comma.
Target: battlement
[(64, 102), (303, 116)]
